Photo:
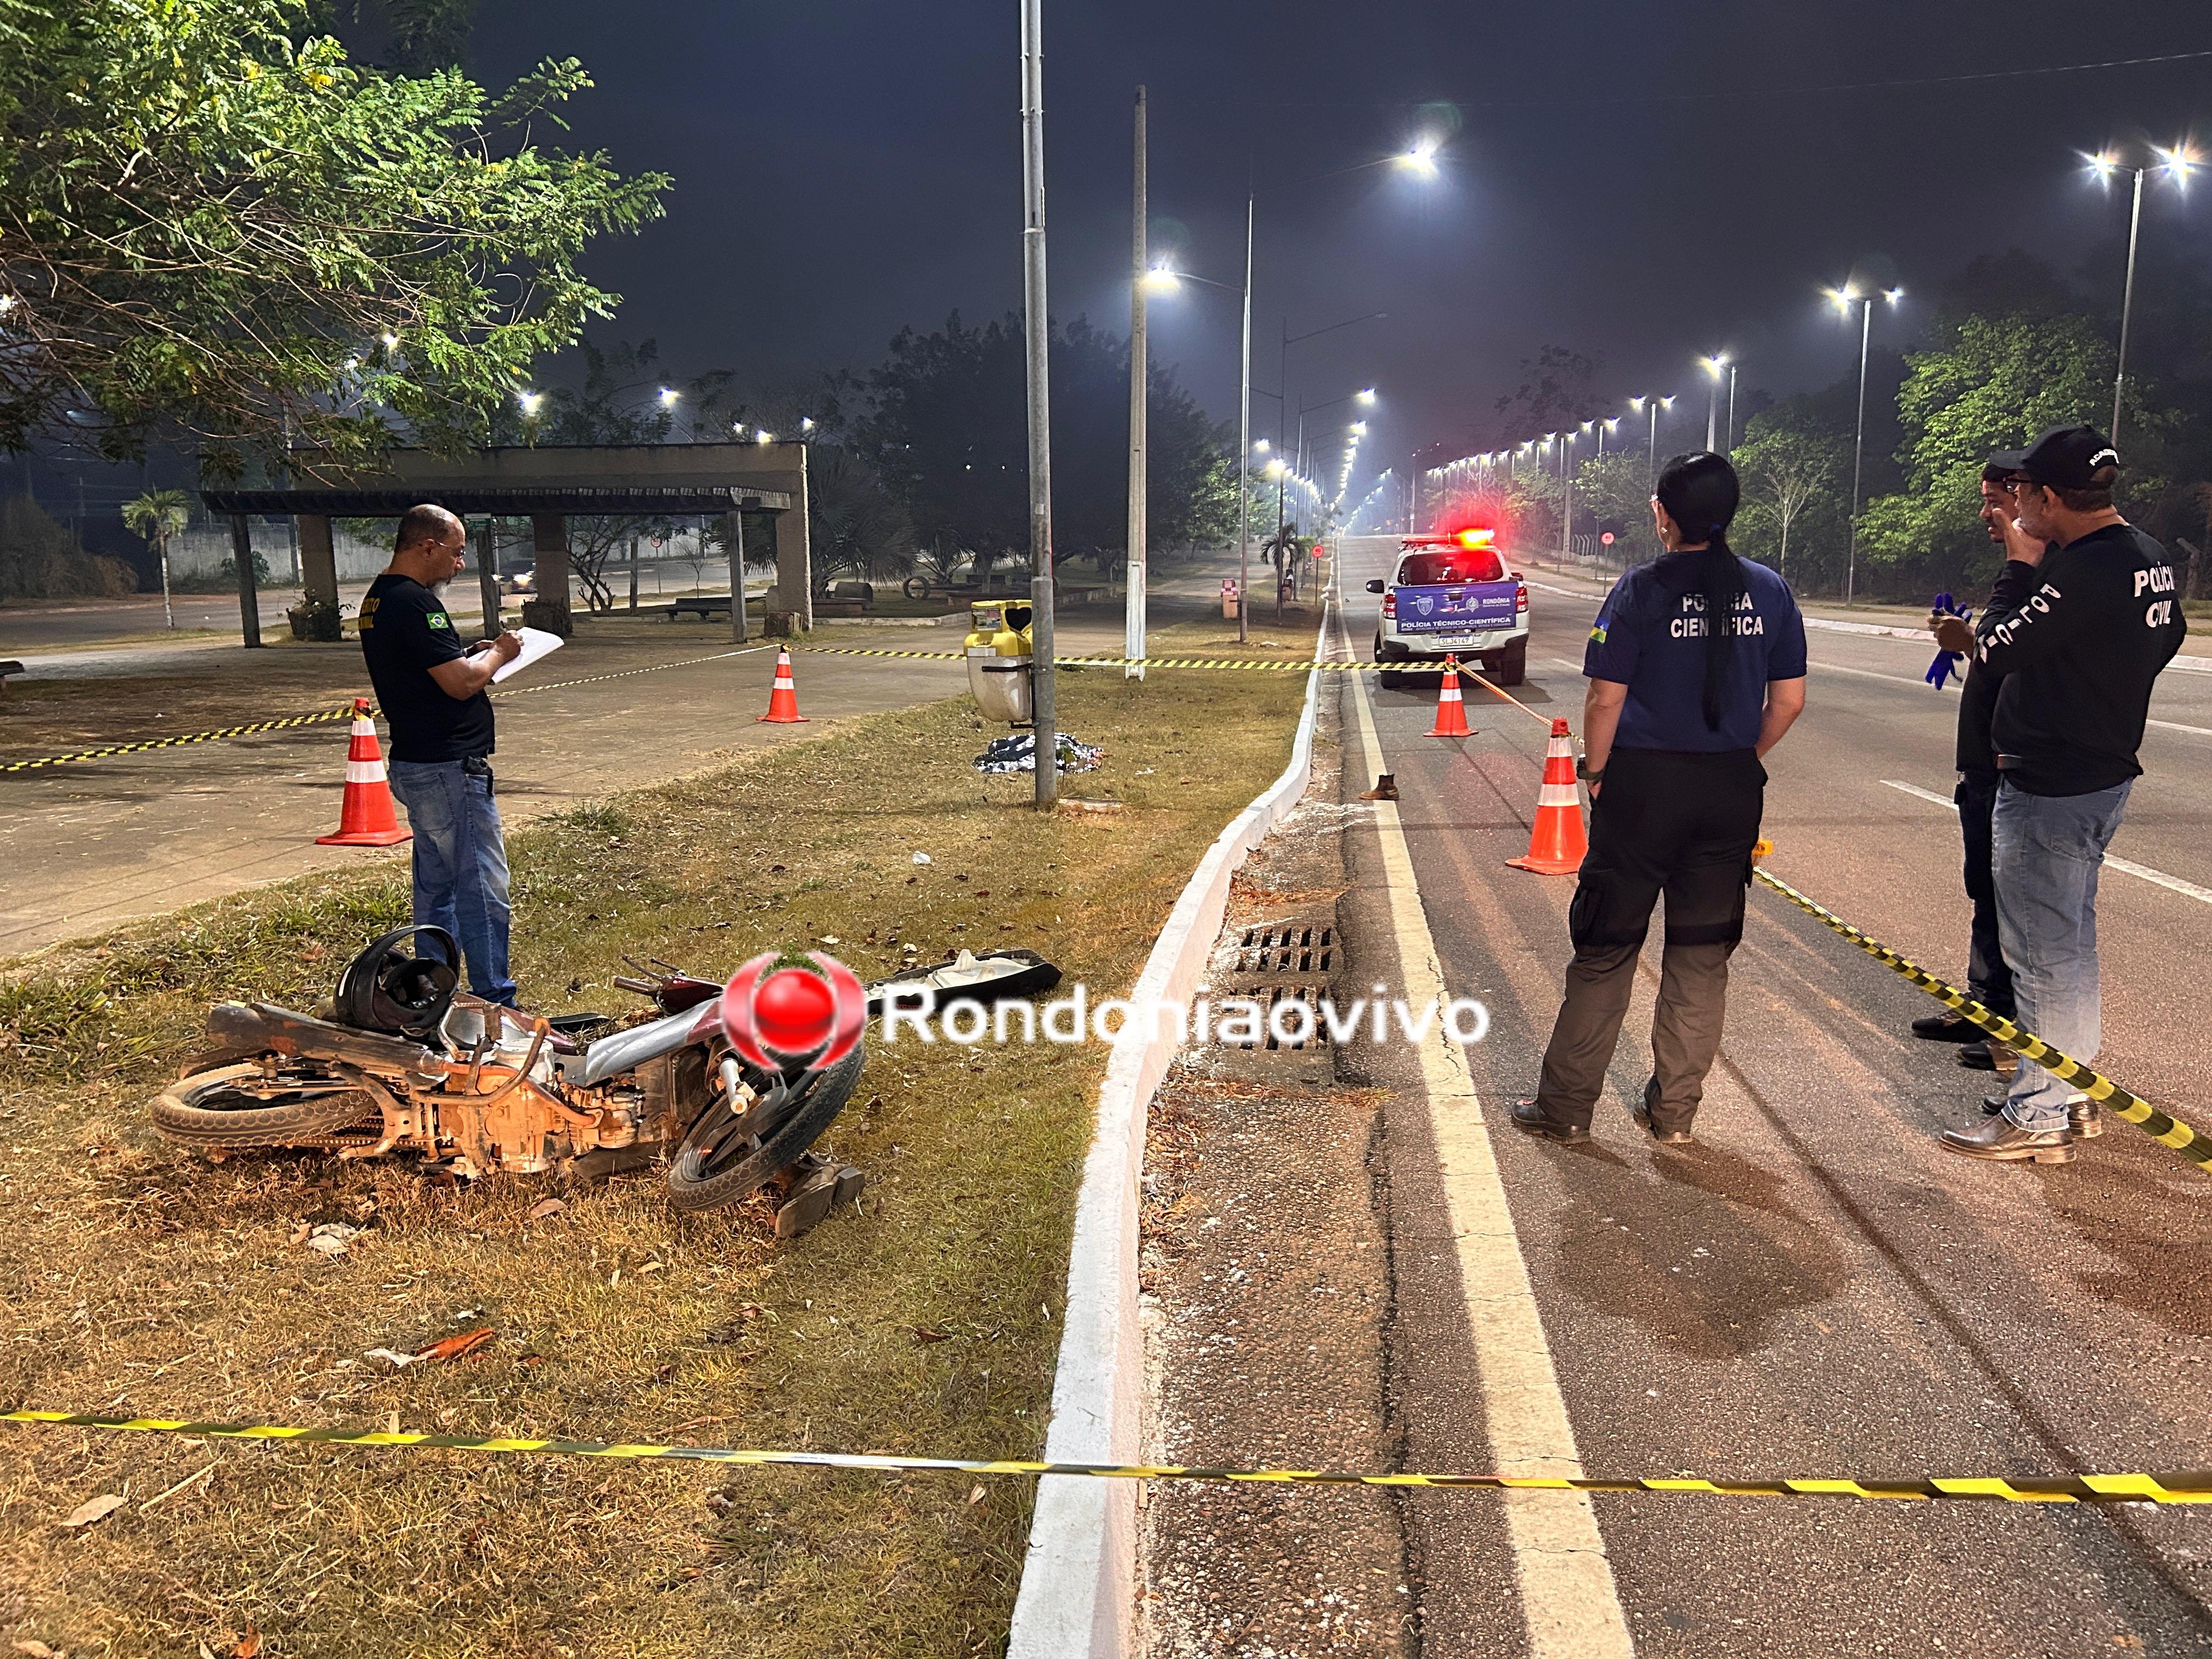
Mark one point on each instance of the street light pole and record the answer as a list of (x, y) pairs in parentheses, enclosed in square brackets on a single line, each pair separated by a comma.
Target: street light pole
[(1858, 449), (2127, 305), (1133, 626), (1244, 441), (1730, 448), (1036, 327)]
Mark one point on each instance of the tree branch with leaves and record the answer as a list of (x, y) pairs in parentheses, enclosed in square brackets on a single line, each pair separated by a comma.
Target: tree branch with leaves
[(213, 225)]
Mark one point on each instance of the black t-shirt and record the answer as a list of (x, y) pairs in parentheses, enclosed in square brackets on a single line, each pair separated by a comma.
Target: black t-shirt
[(1978, 693), (2078, 658), (404, 634)]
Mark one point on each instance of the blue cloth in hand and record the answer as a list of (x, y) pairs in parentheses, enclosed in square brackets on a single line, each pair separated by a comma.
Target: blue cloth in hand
[(1947, 662)]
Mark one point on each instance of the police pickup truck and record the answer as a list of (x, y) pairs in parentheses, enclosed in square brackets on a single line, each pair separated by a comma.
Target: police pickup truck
[(1452, 595)]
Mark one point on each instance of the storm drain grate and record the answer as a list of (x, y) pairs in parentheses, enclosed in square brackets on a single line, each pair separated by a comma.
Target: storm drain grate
[(1295, 1030), (1287, 947)]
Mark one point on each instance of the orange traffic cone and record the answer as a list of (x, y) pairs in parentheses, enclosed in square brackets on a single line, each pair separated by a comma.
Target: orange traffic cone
[(783, 695), (366, 817), (1558, 843), (1451, 713)]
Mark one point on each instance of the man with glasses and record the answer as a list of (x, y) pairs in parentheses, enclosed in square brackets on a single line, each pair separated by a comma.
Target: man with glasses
[(1987, 977), (2077, 659)]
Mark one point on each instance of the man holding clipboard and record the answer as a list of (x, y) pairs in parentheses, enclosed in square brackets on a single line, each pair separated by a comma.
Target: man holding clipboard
[(432, 690)]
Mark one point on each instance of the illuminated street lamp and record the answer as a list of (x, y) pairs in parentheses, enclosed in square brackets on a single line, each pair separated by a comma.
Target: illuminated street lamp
[(1845, 297), (1421, 159), (1657, 404), (1713, 365), (2177, 165)]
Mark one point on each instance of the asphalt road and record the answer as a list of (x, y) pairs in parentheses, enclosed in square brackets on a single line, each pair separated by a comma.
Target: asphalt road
[(1815, 1288)]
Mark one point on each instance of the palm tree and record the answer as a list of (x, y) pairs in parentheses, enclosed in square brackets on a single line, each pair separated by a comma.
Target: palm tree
[(156, 516)]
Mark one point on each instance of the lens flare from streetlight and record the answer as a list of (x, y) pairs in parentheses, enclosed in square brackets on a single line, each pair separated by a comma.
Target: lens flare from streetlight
[(1260, 449), (1162, 278), (669, 394), (1715, 364), (1421, 158), (1893, 294), (1366, 395)]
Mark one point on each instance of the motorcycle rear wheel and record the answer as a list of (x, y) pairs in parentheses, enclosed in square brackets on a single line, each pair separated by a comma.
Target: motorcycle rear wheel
[(212, 1111), (694, 1184)]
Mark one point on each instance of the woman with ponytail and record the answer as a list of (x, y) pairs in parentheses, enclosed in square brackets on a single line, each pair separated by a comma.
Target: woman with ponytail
[(1696, 669)]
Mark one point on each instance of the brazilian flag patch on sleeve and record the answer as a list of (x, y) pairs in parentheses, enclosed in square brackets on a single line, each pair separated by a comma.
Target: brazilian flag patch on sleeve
[(438, 619), (1597, 634)]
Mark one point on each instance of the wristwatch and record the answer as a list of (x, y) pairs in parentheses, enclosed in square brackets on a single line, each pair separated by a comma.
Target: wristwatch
[(1583, 771)]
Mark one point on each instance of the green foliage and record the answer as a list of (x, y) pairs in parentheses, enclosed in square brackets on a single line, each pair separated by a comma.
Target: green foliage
[(947, 432), (158, 515), (40, 559), (1990, 383), (1794, 473), (856, 528), (213, 222), (1614, 491)]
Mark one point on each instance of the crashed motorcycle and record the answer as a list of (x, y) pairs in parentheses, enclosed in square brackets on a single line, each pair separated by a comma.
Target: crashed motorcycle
[(402, 1063)]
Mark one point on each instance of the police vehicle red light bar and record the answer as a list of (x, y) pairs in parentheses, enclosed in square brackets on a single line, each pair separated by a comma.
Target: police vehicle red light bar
[(1475, 537)]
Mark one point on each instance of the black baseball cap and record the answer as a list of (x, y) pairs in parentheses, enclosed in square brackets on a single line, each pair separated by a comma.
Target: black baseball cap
[(2076, 457)]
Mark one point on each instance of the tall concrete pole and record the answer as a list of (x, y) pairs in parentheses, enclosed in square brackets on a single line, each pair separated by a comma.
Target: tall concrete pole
[(1244, 445), (1037, 331), (1858, 450), (1133, 626)]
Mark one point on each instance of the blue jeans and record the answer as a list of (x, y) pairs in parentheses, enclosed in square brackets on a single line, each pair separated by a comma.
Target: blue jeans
[(2047, 851), (460, 865)]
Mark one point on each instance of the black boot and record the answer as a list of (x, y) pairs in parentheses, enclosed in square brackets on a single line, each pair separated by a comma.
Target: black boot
[(1945, 1027), (1529, 1116)]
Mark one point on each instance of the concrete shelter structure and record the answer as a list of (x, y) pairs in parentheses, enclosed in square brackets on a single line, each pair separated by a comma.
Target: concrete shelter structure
[(547, 483)]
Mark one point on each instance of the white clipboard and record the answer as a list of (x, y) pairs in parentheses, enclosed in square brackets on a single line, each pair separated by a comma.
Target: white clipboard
[(536, 643)]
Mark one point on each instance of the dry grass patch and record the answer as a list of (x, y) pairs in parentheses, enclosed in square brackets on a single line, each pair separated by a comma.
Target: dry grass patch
[(137, 1279)]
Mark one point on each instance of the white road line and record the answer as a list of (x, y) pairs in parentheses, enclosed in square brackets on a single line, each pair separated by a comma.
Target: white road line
[(1568, 1598), (2125, 867)]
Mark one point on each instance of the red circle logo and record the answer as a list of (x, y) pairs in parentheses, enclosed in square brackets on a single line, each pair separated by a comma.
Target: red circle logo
[(781, 1016)]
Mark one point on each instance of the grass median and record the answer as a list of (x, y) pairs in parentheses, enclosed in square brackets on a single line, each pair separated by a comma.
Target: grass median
[(139, 1280)]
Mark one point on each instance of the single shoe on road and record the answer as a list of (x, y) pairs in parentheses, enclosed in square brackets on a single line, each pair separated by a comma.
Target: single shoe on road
[(2001, 1140)]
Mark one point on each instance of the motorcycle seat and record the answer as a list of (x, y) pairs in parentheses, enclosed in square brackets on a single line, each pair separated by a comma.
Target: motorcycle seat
[(248, 1025)]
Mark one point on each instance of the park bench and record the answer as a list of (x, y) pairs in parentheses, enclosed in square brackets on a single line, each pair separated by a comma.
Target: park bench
[(708, 605), (846, 600)]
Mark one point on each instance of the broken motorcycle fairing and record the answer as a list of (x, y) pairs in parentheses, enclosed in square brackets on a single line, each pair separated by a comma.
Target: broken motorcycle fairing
[(490, 1089)]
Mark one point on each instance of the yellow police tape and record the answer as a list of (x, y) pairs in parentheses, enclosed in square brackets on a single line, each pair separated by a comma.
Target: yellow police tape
[(2167, 1130), (1262, 665), (2190, 1486), (342, 712)]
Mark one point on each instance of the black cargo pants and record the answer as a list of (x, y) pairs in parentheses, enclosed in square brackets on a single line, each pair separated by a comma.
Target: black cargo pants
[(1670, 822)]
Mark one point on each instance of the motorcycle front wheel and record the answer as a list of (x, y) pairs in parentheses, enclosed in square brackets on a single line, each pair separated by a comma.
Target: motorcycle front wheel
[(236, 1107), (712, 1179)]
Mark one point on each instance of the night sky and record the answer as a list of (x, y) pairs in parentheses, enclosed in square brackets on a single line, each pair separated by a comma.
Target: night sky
[(1643, 183)]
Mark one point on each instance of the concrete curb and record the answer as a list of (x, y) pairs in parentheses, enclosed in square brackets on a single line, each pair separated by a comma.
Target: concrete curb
[(1079, 1580)]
